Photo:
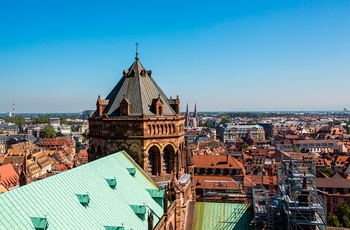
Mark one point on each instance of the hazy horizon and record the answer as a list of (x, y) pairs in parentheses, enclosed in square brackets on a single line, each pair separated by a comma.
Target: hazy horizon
[(233, 56)]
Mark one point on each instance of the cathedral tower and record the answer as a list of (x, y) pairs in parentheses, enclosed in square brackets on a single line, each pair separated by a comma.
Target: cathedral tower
[(138, 117)]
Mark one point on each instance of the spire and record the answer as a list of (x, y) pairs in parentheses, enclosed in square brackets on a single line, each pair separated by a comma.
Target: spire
[(137, 51), (195, 114), (195, 110), (187, 117)]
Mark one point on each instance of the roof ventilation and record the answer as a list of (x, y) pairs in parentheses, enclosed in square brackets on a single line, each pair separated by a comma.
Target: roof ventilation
[(40, 223), (157, 195), (114, 227), (139, 210), (132, 171), (84, 199), (112, 182)]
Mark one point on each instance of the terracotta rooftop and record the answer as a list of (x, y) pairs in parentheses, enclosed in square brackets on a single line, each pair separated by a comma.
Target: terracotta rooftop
[(8, 176), (217, 180), (205, 161)]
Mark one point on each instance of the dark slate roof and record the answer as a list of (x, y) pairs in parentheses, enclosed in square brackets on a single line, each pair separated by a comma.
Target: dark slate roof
[(140, 89), (332, 183), (18, 137)]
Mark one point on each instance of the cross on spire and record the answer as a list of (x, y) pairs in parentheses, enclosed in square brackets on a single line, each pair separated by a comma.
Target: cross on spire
[(137, 51)]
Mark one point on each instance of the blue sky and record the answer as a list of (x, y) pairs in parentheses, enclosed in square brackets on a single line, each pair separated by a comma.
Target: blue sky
[(58, 56)]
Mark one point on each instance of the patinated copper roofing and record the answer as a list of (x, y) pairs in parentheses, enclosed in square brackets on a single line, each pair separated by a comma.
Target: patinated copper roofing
[(140, 89)]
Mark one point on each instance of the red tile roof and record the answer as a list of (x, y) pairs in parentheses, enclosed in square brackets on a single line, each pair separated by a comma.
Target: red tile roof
[(207, 161), (8, 176), (205, 181)]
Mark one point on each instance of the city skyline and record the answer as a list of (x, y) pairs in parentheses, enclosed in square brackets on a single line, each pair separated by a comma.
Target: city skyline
[(234, 56)]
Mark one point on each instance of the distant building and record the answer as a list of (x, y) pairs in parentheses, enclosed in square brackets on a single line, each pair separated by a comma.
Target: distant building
[(231, 131), (316, 145), (84, 114), (55, 122), (3, 146)]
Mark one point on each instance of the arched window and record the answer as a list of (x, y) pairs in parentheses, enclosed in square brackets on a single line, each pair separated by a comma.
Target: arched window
[(168, 159), (154, 161), (99, 151)]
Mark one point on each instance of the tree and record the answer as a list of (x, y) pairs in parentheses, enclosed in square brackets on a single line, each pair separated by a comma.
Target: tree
[(332, 220), (295, 148), (225, 120), (327, 171), (244, 146), (47, 132), (343, 214), (18, 120), (78, 147), (41, 120)]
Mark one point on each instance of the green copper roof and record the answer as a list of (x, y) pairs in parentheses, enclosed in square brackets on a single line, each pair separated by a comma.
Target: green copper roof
[(55, 198), (39, 223), (213, 215), (84, 199), (114, 228), (112, 183), (132, 171), (157, 195)]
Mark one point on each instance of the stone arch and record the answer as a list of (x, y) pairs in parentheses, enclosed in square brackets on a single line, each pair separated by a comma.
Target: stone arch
[(92, 149), (136, 153), (99, 151), (168, 158), (154, 167)]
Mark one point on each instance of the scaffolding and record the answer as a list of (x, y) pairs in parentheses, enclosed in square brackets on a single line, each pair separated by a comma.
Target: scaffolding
[(220, 189), (295, 205)]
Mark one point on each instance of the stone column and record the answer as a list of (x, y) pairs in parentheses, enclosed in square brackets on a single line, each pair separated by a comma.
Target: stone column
[(161, 166), (145, 161)]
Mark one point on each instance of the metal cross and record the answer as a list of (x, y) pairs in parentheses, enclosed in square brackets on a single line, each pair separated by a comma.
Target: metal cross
[(137, 47), (137, 50)]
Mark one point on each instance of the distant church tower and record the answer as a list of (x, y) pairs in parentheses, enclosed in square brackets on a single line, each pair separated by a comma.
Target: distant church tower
[(191, 121), (187, 117), (138, 117)]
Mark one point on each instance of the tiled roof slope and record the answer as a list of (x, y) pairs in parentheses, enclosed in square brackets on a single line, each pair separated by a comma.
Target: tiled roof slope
[(214, 215), (8, 176), (56, 197), (140, 90)]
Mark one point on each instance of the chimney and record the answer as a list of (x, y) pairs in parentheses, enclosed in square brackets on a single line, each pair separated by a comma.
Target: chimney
[(150, 221)]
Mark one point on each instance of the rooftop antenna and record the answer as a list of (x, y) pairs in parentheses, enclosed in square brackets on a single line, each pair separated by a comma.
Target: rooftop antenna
[(13, 108), (137, 51)]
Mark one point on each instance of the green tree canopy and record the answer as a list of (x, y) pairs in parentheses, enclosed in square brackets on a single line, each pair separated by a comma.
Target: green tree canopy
[(41, 120), (327, 171), (47, 132), (244, 146), (343, 214), (225, 120), (18, 120), (332, 220)]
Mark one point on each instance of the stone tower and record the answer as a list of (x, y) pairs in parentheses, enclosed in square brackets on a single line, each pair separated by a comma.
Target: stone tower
[(138, 117)]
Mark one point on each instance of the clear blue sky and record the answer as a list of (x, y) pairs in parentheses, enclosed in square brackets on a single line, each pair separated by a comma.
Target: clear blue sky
[(58, 56)]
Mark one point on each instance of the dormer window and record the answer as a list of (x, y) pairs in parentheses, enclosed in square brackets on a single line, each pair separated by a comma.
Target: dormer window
[(159, 106), (124, 107)]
